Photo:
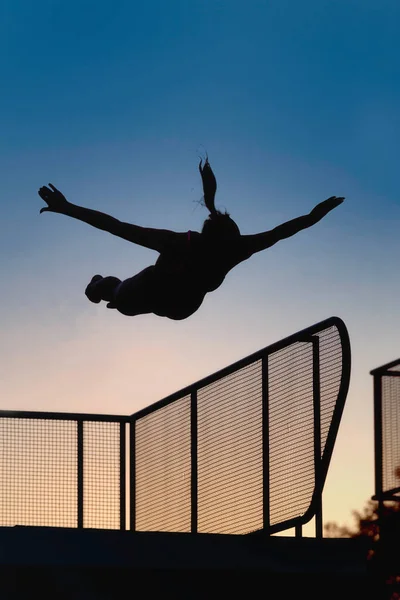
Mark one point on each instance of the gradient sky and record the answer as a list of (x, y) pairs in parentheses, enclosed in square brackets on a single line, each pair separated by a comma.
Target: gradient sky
[(113, 103)]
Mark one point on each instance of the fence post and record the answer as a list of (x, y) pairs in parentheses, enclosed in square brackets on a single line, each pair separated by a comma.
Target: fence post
[(132, 474), (317, 435), (193, 462), (80, 472), (378, 434), (378, 450), (265, 442), (122, 475)]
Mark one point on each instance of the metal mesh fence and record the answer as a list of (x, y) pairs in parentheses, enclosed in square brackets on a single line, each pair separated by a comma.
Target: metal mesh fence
[(230, 453), (38, 470), (291, 421), (330, 368), (390, 432), (234, 453), (230, 487), (101, 475), (291, 435), (163, 469)]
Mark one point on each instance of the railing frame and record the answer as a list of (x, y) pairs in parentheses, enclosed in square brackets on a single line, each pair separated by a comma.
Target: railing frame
[(383, 371), (321, 462)]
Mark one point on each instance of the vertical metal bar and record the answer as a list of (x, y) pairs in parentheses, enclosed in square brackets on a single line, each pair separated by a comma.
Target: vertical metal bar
[(265, 442), (193, 462), (378, 442), (122, 475), (317, 436), (378, 437), (80, 472), (298, 531), (132, 474)]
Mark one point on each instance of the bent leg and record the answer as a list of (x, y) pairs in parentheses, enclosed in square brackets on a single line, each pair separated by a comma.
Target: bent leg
[(133, 296), (136, 295)]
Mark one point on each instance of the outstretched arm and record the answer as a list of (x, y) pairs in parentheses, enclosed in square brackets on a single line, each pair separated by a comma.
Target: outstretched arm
[(262, 241), (155, 239)]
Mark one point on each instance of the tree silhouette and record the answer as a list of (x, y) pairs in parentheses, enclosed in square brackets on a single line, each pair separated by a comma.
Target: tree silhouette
[(379, 523)]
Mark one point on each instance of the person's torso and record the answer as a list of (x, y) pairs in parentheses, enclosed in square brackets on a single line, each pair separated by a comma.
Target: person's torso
[(186, 274)]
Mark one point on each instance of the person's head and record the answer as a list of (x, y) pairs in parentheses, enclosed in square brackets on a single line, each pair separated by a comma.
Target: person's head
[(218, 225)]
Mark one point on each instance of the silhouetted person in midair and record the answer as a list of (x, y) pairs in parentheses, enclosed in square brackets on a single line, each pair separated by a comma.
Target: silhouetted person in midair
[(189, 265)]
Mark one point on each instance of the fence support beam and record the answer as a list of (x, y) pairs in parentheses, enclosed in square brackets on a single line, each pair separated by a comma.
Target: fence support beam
[(80, 472), (132, 474), (193, 463), (265, 442), (122, 475), (317, 436)]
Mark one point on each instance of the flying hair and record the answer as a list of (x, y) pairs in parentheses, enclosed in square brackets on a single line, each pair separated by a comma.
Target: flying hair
[(209, 186), (218, 225)]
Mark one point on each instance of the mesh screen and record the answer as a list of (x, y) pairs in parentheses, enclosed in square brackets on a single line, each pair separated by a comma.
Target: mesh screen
[(391, 432), (292, 472), (101, 475), (163, 469), (38, 469), (291, 431), (230, 453), (330, 367), (39, 462)]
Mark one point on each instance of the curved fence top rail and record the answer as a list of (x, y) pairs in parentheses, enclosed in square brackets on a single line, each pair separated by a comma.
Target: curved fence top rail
[(300, 336)]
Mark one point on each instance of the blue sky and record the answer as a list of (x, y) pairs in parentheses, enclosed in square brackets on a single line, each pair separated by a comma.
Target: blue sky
[(113, 102)]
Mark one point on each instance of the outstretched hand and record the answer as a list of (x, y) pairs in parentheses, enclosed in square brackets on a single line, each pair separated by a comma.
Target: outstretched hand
[(56, 201), (323, 208)]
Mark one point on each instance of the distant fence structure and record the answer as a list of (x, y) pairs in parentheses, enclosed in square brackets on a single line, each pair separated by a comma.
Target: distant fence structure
[(244, 450), (387, 431)]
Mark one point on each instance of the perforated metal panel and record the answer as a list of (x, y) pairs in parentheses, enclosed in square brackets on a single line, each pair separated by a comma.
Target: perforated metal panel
[(293, 424), (38, 470), (40, 465), (330, 368), (101, 475), (291, 436), (230, 453), (391, 432), (163, 476)]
